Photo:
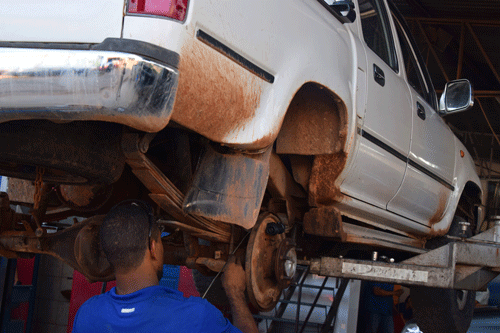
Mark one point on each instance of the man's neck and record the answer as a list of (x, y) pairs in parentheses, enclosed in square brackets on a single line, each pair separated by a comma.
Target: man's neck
[(137, 279)]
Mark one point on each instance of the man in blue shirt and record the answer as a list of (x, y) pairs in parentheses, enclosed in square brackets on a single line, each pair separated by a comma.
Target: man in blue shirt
[(131, 241), (378, 303)]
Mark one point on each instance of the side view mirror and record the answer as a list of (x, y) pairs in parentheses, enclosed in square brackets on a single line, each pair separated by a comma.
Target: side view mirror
[(345, 9), (457, 97)]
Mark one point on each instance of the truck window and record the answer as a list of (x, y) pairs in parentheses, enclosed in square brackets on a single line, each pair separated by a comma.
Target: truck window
[(415, 70), (377, 31), (412, 70)]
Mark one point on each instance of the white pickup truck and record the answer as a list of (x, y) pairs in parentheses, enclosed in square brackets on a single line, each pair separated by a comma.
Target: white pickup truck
[(308, 122)]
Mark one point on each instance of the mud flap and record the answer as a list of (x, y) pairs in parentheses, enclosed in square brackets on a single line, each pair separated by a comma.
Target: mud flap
[(229, 187)]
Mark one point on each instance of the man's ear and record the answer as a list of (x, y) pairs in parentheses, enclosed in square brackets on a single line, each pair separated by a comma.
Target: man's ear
[(153, 249)]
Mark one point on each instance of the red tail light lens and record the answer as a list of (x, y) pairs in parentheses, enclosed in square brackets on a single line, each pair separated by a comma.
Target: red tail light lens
[(175, 9)]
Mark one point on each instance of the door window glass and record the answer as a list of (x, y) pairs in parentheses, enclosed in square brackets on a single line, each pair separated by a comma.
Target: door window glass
[(416, 71), (377, 31), (413, 74)]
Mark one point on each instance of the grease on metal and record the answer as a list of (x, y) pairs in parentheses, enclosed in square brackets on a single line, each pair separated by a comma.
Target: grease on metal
[(215, 95)]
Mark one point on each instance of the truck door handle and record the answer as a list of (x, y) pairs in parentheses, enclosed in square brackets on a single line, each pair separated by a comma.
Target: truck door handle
[(420, 111), (378, 75)]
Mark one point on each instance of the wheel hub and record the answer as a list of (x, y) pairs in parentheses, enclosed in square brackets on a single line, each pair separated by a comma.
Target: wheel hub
[(286, 262), (270, 264)]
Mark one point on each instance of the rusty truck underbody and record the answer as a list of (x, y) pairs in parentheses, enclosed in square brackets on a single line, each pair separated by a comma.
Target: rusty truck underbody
[(275, 190)]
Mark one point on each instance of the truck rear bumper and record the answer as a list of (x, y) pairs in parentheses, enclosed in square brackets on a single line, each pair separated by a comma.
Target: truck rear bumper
[(121, 81)]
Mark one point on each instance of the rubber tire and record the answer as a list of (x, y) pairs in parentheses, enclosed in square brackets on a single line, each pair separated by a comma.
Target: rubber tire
[(437, 310), (72, 153)]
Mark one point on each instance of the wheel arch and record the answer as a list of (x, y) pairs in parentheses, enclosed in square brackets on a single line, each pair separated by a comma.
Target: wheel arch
[(466, 200), (470, 185), (470, 199), (315, 122), (467, 194)]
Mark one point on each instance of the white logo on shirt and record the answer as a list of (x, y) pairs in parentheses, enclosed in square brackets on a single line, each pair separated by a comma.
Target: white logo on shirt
[(124, 310)]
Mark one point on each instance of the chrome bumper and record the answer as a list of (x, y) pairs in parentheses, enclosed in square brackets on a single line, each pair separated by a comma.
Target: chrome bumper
[(105, 85)]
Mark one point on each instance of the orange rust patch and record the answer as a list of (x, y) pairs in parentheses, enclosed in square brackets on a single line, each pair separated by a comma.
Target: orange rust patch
[(78, 195), (317, 119), (438, 215), (21, 190), (215, 95), (324, 221), (435, 233), (325, 170)]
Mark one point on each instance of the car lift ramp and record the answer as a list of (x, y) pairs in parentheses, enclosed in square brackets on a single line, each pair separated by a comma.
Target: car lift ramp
[(314, 303), (465, 263)]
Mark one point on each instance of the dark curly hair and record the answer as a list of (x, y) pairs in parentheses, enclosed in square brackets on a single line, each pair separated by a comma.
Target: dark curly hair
[(124, 234)]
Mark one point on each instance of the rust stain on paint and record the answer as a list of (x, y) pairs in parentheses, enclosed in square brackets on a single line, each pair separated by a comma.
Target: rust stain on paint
[(324, 221), (438, 215), (215, 95), (318, 118), (325, 170), (261, 143), (435, 233)]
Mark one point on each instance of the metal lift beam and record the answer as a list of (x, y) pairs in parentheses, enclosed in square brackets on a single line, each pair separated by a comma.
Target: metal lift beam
[(464, 264)]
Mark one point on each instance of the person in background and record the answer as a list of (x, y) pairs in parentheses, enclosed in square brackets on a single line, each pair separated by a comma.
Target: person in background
[(378, 304)]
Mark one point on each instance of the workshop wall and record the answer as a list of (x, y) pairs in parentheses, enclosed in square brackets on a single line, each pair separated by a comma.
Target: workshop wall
[(53, 291)]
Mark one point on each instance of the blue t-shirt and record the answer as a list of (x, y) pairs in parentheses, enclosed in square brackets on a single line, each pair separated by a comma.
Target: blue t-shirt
[(153, 309), (378, 304)]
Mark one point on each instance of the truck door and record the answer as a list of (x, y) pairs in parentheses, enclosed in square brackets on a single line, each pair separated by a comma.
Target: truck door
[(428, 182), (380, 163)]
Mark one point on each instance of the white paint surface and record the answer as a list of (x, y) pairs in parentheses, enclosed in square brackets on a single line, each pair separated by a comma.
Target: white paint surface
[(384, 272)]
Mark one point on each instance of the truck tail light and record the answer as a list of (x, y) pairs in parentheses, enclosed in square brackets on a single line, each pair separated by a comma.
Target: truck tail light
[(175, 9)]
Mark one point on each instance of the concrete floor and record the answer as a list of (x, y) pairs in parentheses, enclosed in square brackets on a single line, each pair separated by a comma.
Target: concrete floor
[(51, 310)]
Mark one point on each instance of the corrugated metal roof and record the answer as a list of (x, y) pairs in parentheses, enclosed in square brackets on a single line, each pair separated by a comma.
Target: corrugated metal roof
[(471, 9), (440, 19)]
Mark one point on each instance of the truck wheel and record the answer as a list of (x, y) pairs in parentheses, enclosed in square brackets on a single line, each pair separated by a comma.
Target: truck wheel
[(70, 153), (443, 310)]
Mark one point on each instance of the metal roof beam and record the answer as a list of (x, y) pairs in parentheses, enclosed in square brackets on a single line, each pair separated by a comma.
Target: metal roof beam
[(461, 52), (451, 21), (417, 4), (483, 52), (436, 57)]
